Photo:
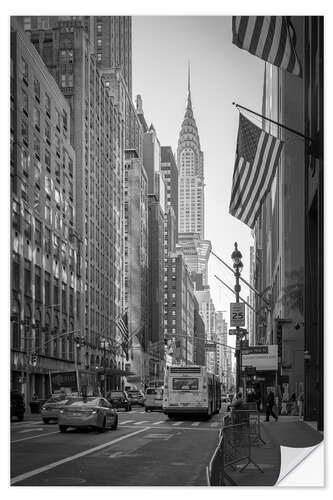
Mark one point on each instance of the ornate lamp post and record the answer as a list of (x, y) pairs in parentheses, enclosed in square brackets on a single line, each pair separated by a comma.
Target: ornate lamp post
[(236, 257)]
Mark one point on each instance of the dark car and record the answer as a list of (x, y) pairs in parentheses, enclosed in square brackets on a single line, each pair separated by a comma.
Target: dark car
[(119, 399), (136, 397), (17, 406)]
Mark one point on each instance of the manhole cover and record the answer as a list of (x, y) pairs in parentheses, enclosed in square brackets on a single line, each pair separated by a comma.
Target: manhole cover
[(64, 481)]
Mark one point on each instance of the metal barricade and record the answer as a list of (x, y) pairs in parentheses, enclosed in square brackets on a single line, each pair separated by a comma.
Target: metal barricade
[(240, 432)]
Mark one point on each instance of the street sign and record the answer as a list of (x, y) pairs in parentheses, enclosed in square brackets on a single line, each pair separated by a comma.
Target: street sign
[(237, 314)]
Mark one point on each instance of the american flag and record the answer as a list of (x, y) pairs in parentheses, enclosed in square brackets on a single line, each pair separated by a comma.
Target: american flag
[(122, 325), (271, 38), (257, 156)]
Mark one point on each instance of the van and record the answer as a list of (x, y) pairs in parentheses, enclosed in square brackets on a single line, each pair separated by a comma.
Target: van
[(154, 399)]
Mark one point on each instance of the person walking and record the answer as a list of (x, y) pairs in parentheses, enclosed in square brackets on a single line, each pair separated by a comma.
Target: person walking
[(269, 407)]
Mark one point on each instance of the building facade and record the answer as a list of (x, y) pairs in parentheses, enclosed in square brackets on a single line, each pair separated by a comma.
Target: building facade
[(46, 251), (289, 231), (98, 137), (170, 176), (207, 312)]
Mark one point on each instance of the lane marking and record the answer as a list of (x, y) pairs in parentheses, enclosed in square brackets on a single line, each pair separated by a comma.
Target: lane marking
[(141, 422), (31, 430), (45, 468), (126, 422), (195, 424), (159, 422), (215, 424), (34, 437), (178, 423)]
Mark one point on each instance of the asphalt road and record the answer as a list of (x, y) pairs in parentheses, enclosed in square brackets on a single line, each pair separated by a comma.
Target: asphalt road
[(147, 449)]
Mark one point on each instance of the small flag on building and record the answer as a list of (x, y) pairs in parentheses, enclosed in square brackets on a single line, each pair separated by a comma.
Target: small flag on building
[(272, 38), (122, 325), (257, 156)]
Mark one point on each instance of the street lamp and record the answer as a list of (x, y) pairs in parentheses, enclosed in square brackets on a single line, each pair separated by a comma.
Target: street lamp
[(236, 257)]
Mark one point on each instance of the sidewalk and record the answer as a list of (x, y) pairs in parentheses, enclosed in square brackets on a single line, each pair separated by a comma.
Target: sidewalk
[(287, 431)]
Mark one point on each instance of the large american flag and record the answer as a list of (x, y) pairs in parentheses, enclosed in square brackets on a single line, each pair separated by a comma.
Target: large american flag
[(271, 38), (257, 156)]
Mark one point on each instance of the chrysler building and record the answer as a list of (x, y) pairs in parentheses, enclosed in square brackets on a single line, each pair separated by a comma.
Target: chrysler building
[(191, 176)]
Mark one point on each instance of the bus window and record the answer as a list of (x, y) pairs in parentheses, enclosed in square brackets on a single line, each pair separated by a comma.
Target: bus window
[(185, 384)]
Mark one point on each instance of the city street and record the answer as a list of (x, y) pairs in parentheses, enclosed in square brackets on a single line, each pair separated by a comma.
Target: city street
[(148, 449)]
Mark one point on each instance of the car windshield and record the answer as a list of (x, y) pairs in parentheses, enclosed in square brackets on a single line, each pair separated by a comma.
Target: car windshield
[(134, 393), (84, 402), (117, 394)]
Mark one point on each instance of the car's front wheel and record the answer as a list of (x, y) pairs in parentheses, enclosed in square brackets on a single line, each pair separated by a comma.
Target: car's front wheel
[(63, 428)]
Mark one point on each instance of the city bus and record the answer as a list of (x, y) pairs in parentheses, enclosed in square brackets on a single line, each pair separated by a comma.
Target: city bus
[(191, 390)]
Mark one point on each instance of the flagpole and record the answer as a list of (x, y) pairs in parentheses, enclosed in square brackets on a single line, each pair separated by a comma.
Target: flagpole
[(238, 106)]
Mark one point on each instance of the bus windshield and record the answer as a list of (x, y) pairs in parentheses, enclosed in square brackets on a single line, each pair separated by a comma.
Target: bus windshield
[(185, 384)]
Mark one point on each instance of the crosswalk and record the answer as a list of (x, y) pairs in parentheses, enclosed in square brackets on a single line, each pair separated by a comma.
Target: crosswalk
[(178, 424)]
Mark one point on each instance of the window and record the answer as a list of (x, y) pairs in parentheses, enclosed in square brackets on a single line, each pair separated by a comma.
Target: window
[(38, 283), (48, 132), (64, 298), (48, 159), (36, 118), (16, 271), (64, 120), (25, 103), (38, 232), (24, 70), (16, 216), (70, 166), (37, 89), (57, 145), (27, 277), (24, 194), (25, 132), (48, 211), (47, 287), (56, 291), (57, 171), (27, 225), (25, 161), (37, 172), (47, 240), (37, 146), (48, 105), (58, 118)]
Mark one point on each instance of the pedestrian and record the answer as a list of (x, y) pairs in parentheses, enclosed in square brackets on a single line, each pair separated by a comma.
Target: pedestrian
[(239, 413), (35, 396), (269, 407), (300, 403)]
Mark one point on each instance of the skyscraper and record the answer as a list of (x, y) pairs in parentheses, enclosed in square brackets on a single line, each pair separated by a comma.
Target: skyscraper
[(191, 174)]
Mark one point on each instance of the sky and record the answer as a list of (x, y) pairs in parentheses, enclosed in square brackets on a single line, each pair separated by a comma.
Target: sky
[(221, 74)]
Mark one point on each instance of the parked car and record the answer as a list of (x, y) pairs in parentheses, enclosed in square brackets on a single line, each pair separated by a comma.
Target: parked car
[(91, 411), (154, 399), (17, 406), (136, 397), (50, 409), (119, 399)]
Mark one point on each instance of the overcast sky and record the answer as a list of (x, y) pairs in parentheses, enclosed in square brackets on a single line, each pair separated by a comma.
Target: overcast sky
[(220, 74)]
